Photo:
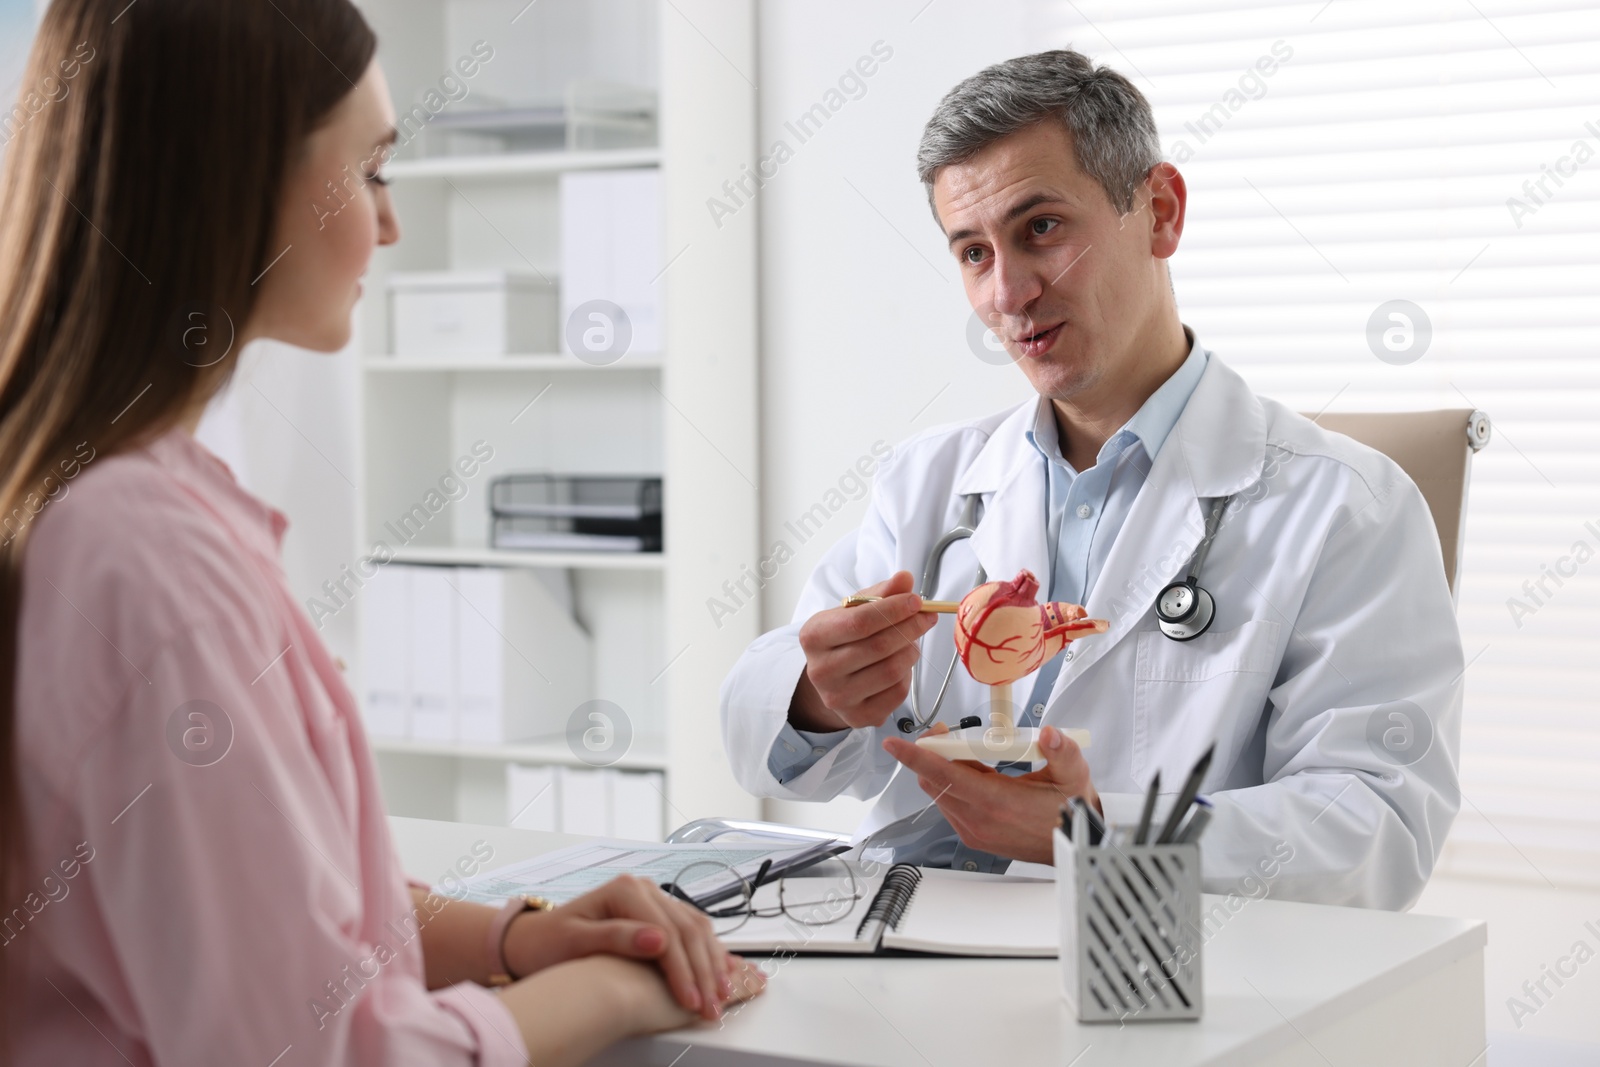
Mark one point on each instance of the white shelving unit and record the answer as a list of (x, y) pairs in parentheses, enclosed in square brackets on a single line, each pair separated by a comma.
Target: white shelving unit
[(653, 656)]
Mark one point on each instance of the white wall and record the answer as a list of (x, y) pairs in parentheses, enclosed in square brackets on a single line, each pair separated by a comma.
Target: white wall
[(287, 426), (708, 125)]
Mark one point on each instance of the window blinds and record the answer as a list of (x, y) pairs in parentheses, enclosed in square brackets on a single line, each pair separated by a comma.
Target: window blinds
[(1344, 155)]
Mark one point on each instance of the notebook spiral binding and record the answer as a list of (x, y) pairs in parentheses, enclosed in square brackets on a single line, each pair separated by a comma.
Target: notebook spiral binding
[(889, 904)]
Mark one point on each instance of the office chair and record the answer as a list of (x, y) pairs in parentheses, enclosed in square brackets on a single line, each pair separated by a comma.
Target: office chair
[(1435, 449)]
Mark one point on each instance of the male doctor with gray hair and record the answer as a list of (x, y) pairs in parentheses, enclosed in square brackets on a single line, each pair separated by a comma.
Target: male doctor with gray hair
[(1329, 679)]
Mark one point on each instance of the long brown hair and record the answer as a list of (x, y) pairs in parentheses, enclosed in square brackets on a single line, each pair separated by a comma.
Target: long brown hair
[(145, 163)]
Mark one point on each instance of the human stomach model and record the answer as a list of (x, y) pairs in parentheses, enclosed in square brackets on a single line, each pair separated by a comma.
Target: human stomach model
[(1003, 634)]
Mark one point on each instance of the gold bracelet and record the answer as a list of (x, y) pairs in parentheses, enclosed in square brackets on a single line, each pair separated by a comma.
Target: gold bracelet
[(495, 946)]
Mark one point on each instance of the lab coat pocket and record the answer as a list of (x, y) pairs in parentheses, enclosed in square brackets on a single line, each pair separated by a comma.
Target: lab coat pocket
[(1214, 686)]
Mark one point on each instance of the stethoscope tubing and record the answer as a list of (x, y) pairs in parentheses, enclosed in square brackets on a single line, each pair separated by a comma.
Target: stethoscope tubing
[(968, 525)]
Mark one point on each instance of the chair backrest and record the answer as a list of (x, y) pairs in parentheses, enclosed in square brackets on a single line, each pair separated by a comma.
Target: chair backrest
[(1435, 448)]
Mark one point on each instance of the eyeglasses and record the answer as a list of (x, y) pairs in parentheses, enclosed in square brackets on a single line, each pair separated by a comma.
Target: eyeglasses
[(727, 918)]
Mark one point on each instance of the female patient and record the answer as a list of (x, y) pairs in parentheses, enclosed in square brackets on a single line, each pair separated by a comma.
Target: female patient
[(194, 853)]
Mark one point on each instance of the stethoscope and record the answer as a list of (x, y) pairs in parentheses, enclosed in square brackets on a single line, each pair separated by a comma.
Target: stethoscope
[(916, 722), (1184, 610)]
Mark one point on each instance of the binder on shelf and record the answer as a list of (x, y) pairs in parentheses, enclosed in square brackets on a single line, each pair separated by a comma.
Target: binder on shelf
[(638, 805), (533, 798), (477, 655), (385, 636), (431, 655), (611, 249), (524, 660), (585, 801), (600, 802), (597, 513)]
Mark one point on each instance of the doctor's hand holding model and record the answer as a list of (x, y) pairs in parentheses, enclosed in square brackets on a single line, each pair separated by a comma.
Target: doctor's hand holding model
[(1144, 461)]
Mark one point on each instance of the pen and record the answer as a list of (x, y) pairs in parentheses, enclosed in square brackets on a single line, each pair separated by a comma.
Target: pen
[(1195, 824), (1082, 836), (761, 873), (1080, 816), (1143, 833), (1186, 795), (1097, 826), (943, 607)]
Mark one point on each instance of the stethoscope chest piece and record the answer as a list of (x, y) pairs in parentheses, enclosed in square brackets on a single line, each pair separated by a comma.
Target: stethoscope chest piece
[(1184, 610)]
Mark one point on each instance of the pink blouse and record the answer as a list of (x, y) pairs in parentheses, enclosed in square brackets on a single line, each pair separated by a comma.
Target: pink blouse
[(211, 876)]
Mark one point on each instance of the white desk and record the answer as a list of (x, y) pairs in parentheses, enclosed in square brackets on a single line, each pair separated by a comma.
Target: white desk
[(1287, 985)]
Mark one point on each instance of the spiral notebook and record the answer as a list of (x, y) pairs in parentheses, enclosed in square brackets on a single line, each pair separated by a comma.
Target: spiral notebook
[(906, 909)]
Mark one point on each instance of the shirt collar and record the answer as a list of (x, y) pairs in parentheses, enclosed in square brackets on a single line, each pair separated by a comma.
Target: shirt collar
[(205, 473), (1151, 425)]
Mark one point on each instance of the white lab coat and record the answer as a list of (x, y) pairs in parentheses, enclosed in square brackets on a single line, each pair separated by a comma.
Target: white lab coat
[(1332, 616)]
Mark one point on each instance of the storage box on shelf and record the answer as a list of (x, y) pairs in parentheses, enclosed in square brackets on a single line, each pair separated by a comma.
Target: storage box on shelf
[(465, 314), (590, 114)]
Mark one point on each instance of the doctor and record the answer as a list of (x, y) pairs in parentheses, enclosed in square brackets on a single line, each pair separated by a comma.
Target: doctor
[(1330, 677)]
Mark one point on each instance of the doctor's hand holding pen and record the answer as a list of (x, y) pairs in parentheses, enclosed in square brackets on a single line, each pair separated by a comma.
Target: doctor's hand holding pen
[(859, 660)]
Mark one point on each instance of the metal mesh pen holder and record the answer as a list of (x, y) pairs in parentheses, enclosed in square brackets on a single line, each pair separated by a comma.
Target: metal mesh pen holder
[(1130, 930)]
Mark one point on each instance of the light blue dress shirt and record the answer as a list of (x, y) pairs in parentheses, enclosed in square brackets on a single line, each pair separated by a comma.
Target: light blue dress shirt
[(1085, 511)]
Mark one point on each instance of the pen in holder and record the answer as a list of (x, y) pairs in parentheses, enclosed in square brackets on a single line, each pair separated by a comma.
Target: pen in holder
[(1130, 927)]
